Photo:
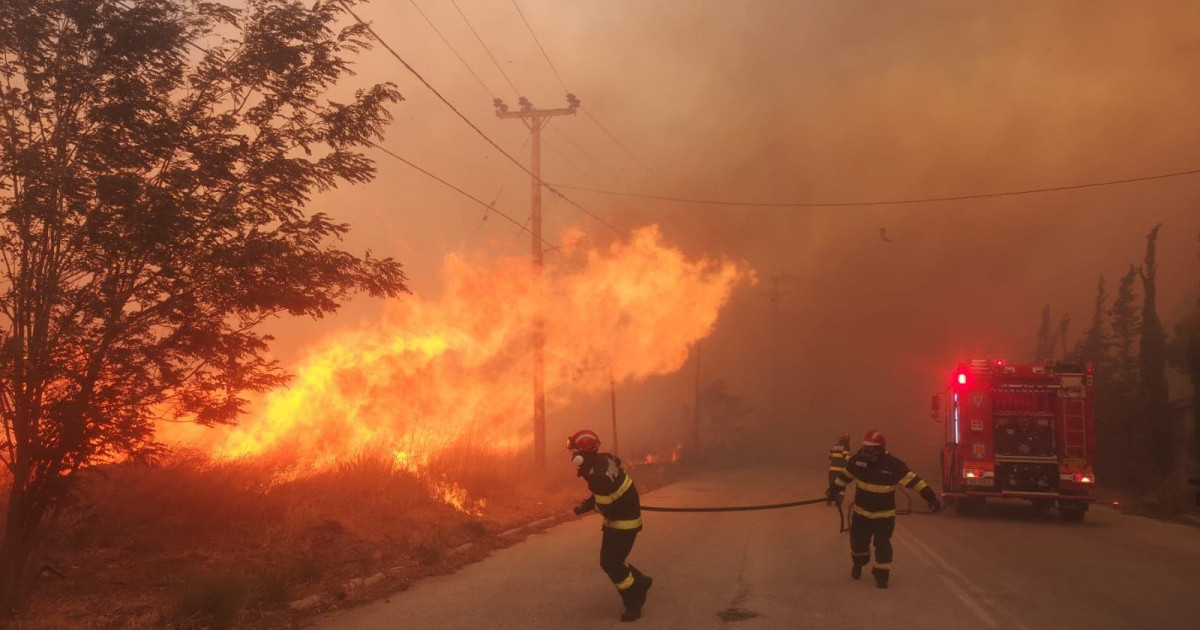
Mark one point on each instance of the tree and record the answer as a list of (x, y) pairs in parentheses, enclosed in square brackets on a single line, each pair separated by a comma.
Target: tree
[(1117, 387), (1045, 338), (1060, 335), (1126, 327), (156, 157), (1153, 397), (1185, 357), (1093, 347)]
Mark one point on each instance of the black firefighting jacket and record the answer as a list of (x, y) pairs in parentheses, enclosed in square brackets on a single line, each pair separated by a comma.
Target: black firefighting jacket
[(613, 494), (876, 483), (839, 454)]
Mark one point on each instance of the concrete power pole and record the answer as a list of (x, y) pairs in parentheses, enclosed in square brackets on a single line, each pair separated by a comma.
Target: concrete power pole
[(535, 119)]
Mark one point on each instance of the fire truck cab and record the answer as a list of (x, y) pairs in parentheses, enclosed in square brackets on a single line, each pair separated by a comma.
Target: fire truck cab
[(1018, 432)]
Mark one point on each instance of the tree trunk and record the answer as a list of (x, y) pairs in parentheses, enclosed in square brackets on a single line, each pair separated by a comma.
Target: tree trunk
[(14, 550)]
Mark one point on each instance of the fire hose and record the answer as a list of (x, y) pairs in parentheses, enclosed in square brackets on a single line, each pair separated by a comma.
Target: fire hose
[(842, 515), (738, 508)]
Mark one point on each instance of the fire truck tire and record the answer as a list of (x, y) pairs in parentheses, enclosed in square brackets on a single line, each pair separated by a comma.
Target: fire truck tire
[(1072, 511), (968, 506)]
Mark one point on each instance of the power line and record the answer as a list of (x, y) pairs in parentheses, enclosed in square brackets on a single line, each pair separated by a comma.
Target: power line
[(539, 45), (452, 49), (566, 159), (564, 87), (618, 142), (461, 192), (473, 126), (584, 151), (485, 48), (889, 202)]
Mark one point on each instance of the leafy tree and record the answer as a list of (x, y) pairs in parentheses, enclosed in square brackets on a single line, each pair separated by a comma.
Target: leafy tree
[(1153, 397), (1060, 335), (1094, 346), (1116, 387), (1045, 338), (1185, 357), (1126, 327), (156, 157)]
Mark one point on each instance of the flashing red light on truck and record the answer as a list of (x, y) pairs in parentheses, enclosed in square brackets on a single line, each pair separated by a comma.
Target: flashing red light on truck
[(962, 378)]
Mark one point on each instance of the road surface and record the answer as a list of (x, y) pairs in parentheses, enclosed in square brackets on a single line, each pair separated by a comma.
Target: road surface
[(1011, 569)]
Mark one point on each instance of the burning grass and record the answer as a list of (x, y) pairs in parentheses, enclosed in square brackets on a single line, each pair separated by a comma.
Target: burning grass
[(194, 542)]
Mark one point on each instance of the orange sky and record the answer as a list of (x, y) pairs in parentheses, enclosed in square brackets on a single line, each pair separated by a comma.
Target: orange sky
[(782, 100)]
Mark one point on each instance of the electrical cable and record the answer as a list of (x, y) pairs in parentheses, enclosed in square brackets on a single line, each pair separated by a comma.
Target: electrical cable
[(539, 45), (473, 126), (485, 48), (563, 84), (453, 50), (462, 192), (891, 202)]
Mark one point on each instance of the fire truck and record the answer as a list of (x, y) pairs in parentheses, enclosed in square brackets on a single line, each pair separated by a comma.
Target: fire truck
[(1018, 432)]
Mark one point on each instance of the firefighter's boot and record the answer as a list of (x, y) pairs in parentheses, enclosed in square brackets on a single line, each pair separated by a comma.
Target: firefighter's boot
[(881, 577), (629, 597), (856, 571), (641, 586)]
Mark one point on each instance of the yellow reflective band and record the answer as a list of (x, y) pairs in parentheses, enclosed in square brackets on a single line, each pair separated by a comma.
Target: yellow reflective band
[(921, 485), (837, 481), (907, 478), (624, 584), (860, 554), (887, 566), (883, 514), (874, 487), (630, 524), (606, 499), (837, 468)]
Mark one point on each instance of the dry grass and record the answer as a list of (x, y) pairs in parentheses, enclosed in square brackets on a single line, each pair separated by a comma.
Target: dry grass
[(191, 543)]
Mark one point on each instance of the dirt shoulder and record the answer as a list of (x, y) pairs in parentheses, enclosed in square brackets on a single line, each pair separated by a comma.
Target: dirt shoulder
[(187, 545)]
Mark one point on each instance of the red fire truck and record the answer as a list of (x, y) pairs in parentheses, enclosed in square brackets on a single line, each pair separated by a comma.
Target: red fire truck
[(1018, 432)]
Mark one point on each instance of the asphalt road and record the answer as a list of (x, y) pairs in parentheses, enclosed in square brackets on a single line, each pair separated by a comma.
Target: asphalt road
[(789, 568)]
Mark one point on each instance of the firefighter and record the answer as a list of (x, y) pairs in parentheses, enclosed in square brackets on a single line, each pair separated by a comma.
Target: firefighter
[(839, 454), (616, 499), (876, 474)]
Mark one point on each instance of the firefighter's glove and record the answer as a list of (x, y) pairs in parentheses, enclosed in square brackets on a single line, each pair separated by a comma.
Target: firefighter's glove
[(585, 506), (931, 498), (831, 495)]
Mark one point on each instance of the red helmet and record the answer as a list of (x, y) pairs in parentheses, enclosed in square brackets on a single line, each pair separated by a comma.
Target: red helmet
[(844, 437), (583, 440), (873, 438)]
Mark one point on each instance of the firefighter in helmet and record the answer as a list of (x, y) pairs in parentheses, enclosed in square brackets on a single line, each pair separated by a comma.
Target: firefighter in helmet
[(616, 499), (839, 454), (876, 474)]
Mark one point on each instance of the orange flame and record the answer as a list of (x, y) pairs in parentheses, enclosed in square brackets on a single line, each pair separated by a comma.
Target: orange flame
[(437, 373)]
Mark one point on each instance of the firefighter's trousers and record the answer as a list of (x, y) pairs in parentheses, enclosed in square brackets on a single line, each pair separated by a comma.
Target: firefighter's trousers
[(862, 531), (614, 549)]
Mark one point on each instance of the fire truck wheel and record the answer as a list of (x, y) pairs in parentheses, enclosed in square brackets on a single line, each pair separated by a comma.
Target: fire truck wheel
[(1071, 511), (1043, 504)]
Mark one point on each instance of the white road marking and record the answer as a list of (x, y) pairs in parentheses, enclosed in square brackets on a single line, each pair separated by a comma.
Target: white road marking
[(979, 601), (973, 604)]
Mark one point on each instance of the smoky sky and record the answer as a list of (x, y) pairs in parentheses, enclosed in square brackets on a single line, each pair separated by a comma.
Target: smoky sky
[(810, 102)]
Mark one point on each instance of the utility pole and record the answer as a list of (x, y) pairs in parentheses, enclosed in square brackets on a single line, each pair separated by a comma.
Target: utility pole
[(776, 363), (696, 404), (535, 119)]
